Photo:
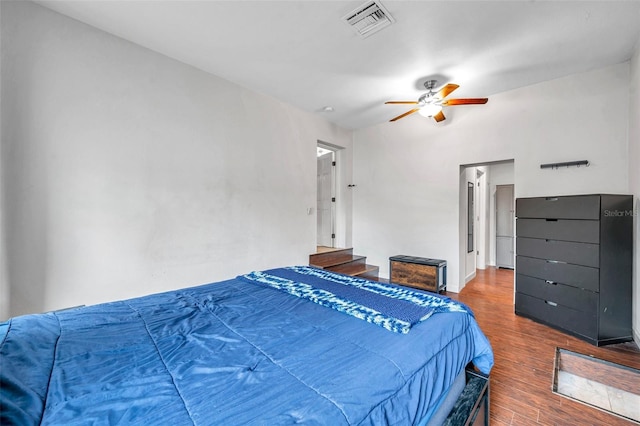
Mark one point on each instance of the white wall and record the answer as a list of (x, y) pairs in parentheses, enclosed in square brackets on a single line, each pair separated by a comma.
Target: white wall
[(126, 172), (408, 171), (634, 179)]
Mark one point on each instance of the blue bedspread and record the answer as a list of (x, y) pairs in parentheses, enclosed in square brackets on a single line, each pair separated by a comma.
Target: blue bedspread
[(228, 353)]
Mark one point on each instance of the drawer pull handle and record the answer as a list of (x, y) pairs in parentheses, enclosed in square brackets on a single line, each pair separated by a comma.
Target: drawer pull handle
[(556, 261), (551, 220), (550, 303), (551, 198), (551, 282)]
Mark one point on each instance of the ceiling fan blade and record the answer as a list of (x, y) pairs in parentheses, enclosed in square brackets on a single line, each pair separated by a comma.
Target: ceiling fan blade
[(439, 117), (401, 103), (405, 114), (465, 101), (446, 90)]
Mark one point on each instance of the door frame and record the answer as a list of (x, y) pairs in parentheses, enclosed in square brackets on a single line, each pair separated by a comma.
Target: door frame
[(463, 259), (341, 222), (332, 196)]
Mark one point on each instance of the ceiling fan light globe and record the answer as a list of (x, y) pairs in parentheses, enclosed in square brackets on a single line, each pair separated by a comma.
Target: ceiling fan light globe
[(429, 110)]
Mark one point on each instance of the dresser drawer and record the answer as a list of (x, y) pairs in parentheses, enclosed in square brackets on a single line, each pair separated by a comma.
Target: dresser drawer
[(583, 323), (580, 231), (573, 207), (566, 273), (585, 254), (571, 297)]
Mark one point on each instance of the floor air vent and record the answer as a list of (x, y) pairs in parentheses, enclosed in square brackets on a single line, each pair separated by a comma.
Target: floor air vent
[(369, 18)]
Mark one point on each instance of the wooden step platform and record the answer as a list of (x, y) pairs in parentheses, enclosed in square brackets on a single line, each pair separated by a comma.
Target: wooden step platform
[(343, 261)]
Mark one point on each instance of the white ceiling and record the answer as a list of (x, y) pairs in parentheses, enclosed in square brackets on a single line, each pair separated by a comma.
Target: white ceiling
[(303, 53)]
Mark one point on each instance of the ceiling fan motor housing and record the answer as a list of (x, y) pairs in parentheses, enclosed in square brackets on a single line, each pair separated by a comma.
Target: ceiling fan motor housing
[(428, 97), (430, 84)]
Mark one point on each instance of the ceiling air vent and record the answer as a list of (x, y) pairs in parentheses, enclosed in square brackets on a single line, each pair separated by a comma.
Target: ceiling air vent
[(369, 18)]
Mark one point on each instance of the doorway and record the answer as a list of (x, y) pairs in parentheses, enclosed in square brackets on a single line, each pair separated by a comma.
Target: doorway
[(326, 196), (478, 217)]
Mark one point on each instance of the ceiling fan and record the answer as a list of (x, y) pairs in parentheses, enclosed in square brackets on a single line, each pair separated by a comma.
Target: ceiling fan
[(430, 104)]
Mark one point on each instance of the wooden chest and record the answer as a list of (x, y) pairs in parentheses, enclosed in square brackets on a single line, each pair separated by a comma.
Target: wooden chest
[(419, 272)]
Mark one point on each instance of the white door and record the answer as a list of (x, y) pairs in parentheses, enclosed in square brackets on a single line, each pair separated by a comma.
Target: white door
[(325, 200), (505, 218)]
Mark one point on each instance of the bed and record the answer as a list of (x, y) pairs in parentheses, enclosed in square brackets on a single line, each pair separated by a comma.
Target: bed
[(284, 346)]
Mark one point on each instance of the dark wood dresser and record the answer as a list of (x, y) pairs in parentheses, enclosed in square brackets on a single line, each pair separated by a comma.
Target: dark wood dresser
[(574, 264)]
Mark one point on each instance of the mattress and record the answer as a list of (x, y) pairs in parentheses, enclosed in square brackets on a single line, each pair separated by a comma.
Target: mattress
[(232, 352)]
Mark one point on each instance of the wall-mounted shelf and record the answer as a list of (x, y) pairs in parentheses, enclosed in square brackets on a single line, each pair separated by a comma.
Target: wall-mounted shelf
[(565, 164)]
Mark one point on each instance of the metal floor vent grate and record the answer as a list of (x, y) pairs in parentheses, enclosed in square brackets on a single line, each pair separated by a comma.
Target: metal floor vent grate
[(369, 18)]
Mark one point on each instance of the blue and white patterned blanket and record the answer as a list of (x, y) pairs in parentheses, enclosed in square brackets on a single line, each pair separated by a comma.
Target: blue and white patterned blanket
[(395, 308)]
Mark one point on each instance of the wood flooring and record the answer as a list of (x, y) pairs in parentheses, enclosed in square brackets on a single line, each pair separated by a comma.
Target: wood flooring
[(524, 351)]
